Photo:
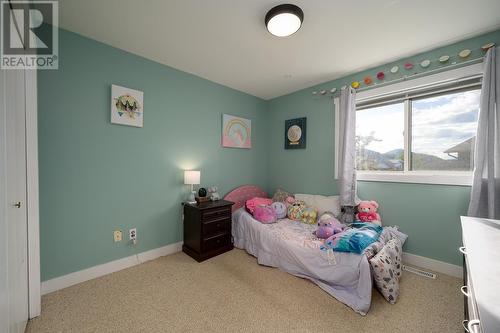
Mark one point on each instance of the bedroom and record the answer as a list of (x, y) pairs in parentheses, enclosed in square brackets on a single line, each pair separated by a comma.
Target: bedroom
[(99, 138)]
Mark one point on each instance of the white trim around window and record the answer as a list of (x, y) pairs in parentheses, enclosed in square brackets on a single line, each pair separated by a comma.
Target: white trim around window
[(417, 177), (463, 178)]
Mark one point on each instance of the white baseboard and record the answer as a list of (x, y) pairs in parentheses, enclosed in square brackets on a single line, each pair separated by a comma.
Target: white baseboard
[(71, 279), (433, 265)]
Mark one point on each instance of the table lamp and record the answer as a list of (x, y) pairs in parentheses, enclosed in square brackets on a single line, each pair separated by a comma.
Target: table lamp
[(191, 177)]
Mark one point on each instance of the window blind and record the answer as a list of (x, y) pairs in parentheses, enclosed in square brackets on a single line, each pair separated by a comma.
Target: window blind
[(422, 91)]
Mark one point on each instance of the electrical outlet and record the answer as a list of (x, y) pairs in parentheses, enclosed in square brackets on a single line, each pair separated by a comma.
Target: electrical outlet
[(132, 234), (117, 236)]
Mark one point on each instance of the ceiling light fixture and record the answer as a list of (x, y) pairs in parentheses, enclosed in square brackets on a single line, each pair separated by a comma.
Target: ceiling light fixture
[(284, 20)]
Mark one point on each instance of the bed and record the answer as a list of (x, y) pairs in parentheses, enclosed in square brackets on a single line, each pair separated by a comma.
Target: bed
[(292, 247)]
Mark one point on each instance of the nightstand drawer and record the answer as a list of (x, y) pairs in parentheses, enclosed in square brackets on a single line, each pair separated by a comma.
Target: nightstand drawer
[(214, 214), (216, 242), (216, 226)]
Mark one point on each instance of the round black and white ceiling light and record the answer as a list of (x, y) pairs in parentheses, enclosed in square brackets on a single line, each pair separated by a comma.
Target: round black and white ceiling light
[(284, 20)]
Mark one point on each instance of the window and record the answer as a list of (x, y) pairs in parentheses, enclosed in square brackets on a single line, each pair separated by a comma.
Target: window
[(443, 130), (380, 138), (420, 133)]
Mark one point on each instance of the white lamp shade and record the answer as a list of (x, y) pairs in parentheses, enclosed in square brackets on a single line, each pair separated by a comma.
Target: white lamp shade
[(191, 177)]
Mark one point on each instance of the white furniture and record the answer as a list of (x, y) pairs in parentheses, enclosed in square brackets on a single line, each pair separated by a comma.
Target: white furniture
[(481, 240)]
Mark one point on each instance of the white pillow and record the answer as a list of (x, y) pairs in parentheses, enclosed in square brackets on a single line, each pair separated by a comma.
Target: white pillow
[(321, 203)]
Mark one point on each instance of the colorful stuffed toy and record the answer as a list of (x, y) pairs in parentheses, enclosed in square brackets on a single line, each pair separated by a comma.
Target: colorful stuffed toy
[(367, 212), (309, 215), (280, 209), (295, 210), (328, 225)]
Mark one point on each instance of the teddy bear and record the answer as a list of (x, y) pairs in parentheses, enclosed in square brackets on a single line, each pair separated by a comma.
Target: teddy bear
[(367, 212), (328, 225)]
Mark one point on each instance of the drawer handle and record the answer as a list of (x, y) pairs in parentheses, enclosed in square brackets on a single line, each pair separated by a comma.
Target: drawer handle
[(472, 323), (464, 325), (218, 212), (464, 291), (462, 249)]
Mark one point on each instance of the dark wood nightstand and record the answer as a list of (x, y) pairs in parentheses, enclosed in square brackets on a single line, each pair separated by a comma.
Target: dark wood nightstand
[(207, 229)]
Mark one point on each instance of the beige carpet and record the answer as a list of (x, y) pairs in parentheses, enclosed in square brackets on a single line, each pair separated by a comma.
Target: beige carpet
[(232, 293)]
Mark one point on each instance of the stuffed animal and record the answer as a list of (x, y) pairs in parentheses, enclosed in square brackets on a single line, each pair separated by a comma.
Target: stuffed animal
[(324, 230), (328, 225), (367, 212), (295, 210), (289, 200), (280, 209), (325, 216), (213, 194), (264, 214), (309, 215), (254, 202)]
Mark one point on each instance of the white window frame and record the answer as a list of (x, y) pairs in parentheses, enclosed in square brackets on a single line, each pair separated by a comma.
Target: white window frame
[(463, 178)]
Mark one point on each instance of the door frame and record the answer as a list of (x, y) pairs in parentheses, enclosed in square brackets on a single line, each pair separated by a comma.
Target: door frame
[(32, 197), (32, 186)]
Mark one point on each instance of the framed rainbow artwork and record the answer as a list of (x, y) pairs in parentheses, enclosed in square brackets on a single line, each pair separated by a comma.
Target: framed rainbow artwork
[(236, 132)]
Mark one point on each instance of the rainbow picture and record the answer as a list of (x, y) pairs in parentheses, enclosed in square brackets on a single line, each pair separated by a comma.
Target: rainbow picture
[(236, 132)]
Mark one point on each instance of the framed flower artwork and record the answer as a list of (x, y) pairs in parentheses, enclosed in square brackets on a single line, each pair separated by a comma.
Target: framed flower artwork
[(127, 106)]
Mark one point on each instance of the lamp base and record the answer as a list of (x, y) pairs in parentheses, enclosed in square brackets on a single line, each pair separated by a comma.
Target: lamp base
[(191, 199)]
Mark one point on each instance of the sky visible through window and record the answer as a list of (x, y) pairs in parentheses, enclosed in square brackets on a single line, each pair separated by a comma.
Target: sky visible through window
[(442, 122), (385, 124)]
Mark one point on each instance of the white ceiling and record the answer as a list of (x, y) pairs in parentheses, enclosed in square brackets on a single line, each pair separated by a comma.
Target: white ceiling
[(225, 41)]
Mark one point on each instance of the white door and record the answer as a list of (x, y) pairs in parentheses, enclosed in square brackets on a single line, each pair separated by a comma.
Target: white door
[(16, 223)]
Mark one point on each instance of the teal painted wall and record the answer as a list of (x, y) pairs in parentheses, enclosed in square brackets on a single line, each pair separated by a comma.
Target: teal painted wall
[(96, 177), (429, 214)]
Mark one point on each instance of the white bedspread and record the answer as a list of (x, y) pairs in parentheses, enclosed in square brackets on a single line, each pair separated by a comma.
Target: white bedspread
[(292, 247)]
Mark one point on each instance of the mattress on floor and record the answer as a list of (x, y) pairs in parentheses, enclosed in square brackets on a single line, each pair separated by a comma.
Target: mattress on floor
[(292, 247)]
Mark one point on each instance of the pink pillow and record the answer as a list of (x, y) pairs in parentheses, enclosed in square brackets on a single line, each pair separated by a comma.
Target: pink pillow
[(255, 202), (265, 214)]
